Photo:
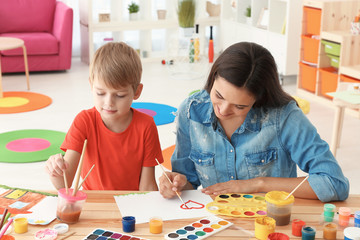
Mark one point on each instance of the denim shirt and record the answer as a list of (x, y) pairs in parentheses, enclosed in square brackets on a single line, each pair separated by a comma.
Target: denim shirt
[(270, 143)]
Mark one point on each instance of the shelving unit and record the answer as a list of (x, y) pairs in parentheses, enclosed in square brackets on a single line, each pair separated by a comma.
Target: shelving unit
[(93, 31), (320, 72), (281, 36)]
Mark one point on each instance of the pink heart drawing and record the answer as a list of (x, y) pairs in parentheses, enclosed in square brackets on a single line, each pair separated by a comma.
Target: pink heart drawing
[(192, 205)]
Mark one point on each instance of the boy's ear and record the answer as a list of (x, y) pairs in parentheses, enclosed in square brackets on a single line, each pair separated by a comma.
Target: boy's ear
[(138, 91)]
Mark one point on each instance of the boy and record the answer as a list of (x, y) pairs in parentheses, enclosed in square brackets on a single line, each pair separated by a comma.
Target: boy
[(121, 141)]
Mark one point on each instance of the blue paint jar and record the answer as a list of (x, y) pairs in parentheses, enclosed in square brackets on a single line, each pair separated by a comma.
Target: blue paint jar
[(128, 223), (308, 233), (351, 233), (357, 219)]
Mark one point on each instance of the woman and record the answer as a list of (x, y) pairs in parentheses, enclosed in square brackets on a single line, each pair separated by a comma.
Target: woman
[(244, 134)]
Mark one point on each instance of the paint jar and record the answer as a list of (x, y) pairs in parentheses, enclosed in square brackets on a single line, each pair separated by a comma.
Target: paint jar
[(156, 225), (278, 236), (344, 216), (357, 219), (278, 208), (128, 223), (263, 227), (329, 212), (69, 207), (20, 225), (297, 225), (351, 233), (329, 231), (308, 233)]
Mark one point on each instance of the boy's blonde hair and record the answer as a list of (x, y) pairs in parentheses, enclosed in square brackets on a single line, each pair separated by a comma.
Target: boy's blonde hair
[(117, 64)]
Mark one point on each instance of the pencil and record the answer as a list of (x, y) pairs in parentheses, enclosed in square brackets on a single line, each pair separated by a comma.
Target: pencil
[(170, 181), (77, 178), (86, 176), (6, 227), (3, 217)]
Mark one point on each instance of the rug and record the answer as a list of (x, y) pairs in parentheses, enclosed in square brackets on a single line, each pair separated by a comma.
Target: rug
[(162, 114), (16, 102), (23, 146), (167, 153)]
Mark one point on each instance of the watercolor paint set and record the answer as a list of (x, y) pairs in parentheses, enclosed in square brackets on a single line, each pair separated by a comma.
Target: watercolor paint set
[(102, 234), (200, 229), (238, 205)]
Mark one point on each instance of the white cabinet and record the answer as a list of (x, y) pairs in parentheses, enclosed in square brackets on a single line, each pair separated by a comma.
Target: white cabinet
[(275, 24), (147, 34)]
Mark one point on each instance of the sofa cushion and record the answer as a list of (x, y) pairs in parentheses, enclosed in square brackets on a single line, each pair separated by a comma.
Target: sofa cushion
[(26, 15), (36, 44)]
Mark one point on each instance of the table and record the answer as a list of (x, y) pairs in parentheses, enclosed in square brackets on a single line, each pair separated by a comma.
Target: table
[(342, 100), (7, 43), (101, 211)]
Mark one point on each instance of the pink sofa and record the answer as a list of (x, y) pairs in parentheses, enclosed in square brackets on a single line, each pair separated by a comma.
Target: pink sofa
[(46, 28)]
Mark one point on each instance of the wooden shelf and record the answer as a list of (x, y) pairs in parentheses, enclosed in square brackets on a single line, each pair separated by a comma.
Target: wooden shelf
[(351, 71)]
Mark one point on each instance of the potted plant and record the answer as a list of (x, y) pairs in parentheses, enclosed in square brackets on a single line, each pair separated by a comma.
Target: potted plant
[(186, 16), (133, 10), (248, 15)]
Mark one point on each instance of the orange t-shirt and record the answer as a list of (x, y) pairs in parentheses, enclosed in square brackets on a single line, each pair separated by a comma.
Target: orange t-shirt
[(118, 157)]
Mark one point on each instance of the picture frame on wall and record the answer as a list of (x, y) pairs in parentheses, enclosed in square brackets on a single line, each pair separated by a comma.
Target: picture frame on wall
[(263, 21)]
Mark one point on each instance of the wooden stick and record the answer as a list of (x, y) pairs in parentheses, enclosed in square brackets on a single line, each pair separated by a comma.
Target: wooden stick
[(67, 236), (86, 176), (65, 179), (170, 181), (297, 187), (77, 177)]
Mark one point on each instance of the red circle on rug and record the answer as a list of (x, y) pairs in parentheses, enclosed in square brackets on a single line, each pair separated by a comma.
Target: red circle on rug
[(147, 111), (35, 101), (28, 145)]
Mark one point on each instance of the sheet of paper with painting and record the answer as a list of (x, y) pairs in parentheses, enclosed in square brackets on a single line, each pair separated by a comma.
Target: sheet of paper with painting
[(143, 206)]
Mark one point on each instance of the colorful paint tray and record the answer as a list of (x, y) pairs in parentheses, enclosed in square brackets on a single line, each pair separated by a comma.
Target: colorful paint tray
[(238, 205), (102, 234), (200, 229)]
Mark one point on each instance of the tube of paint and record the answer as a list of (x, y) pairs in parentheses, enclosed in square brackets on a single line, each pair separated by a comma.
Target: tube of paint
[(297, 225), (211, 46), (196, 43), (308, 233)]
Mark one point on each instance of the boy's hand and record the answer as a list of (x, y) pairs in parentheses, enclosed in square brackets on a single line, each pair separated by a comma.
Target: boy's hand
[(55, 165), (168, 190)]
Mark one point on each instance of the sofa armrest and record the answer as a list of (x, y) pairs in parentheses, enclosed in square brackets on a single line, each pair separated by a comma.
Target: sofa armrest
[(62, 30)]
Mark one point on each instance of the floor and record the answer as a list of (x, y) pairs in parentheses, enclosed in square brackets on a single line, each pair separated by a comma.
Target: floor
[(70, 93)]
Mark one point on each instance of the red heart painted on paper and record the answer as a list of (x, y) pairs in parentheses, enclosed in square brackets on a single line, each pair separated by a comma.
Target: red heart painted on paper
[(192, 205)]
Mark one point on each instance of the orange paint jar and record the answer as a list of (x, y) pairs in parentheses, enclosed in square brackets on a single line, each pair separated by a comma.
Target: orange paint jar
[(156, 225), (329, 231), (344, 216)]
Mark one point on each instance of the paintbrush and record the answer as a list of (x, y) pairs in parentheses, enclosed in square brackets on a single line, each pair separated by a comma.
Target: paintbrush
[(170, 182), (3, 217), (296, 187), (65, 179), (86, 176), (77, 178)]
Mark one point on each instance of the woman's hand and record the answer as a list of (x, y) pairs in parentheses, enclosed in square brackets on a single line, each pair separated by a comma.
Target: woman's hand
[(55, 165), (233, 186), (168, 190)]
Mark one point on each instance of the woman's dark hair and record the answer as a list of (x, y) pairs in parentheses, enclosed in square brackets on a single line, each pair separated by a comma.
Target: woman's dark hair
[(251, 66)]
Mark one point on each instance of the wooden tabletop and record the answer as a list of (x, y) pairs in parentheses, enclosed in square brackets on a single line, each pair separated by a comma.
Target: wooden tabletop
[(101, 211)]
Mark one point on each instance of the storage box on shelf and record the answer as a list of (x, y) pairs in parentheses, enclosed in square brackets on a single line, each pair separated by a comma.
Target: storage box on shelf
[(328, 49), (280, 27), (147, 25)]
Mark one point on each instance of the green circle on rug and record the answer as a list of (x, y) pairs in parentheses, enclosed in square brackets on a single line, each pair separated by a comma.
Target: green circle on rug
[(33, 145)]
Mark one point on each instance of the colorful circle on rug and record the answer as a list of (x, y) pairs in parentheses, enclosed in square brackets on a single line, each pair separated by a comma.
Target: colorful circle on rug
[(33, 145), (162, 114), (16, 102)]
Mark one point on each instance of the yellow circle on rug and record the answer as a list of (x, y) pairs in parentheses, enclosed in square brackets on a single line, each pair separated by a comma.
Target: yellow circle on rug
[(13, 101)]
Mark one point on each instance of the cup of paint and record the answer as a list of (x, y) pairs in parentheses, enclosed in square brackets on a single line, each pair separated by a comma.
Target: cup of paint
[(351, 233), (263, 227), (69, 207), (20, 225), (344, 216), (128, 223), (329, 212), (329, 231), (308, 233), (278, 236), (296, 228), (156, 225), (278, 208), (357, 219)]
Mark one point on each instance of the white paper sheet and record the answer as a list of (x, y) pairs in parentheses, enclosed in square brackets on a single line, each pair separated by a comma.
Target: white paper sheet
[(143, 206)]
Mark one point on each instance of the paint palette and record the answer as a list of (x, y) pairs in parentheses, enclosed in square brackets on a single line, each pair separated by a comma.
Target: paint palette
[(200, 229), (102, 234), (238, 205)]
